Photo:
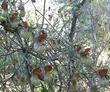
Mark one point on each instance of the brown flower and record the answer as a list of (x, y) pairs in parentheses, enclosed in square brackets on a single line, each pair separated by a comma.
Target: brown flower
[(37, 71), (48, 68), (85, 53), (41, 72), (4, 5), (103, 72), (42, 37), (25, 24), (13, 16)]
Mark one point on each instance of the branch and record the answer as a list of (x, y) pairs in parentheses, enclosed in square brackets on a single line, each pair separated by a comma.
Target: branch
[(4, 81), (43, 14), (74, 20), (10, 53), (43, 57), (36, 10)]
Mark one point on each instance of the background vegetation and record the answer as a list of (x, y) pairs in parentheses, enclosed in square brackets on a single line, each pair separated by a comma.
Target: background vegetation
[(54, 45)]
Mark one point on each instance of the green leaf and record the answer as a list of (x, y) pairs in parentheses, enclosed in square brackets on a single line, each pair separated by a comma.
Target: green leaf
[(74, 83), (44, 89)]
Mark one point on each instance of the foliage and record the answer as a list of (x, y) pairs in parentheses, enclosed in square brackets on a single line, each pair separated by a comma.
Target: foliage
[(54, 49)]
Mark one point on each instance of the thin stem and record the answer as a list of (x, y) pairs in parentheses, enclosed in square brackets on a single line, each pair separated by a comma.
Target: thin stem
[(43, 14), (28, 73), (44, 17)]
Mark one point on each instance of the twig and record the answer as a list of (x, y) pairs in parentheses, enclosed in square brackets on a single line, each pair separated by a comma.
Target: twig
[(74, 20), (44, 17), (43, 14)]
